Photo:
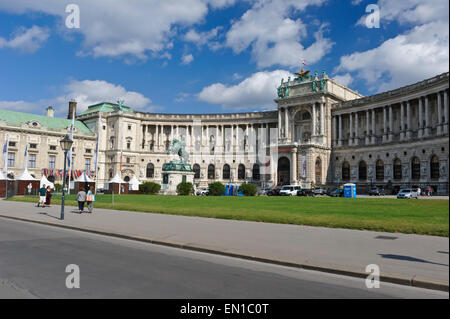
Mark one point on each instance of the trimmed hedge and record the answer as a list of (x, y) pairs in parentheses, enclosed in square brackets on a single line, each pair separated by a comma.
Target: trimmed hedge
[(185, 188), (149, 188), (249, 189), (216, 189)]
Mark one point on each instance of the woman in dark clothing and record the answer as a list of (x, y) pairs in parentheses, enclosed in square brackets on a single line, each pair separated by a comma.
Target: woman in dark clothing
[(48, 196)]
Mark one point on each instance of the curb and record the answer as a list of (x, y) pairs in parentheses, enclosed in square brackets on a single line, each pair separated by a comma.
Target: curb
[(427, 284)]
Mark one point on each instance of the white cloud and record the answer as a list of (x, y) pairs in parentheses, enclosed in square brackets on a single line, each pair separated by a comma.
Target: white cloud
[(201, 38), (275, 38), (187, 59), (345, 79), (257, 91), (119, 28), (26, 40), (85, 93), (419, 53)]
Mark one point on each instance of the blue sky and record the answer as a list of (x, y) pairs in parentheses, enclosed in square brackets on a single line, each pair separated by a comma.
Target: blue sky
[(209, 56)]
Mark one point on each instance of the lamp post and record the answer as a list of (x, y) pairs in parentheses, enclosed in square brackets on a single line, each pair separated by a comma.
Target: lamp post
[(66, 143)]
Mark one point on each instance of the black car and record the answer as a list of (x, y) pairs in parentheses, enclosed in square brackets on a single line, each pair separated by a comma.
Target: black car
[(377, 191), (305, 192), (337, 193), (274, 191)]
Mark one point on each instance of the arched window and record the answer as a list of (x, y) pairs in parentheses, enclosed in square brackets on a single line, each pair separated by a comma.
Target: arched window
[(126, 179), (345, 171), (211, 171), (362, 171), (397, 169), (255, 173), (226, 172), (241, 171), (306, 116), (434, 167), (51, 179), (379, 170), (318, 171), (150, 170), (196, 170), (415, 168)]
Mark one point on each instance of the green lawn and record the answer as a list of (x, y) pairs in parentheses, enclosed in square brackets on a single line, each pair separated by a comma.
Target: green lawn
[(428, 217)]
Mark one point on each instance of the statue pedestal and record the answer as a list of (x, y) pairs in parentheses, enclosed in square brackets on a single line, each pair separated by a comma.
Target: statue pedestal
[(173, 173)]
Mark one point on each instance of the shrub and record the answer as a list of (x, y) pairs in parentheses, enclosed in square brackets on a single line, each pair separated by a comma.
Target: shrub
[(58, 187), (249, 189), (216, 189), (185, 188), (149, 188)]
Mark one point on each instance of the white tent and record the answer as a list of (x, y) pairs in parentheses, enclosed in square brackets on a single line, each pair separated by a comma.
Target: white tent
[(83, 178), (116, 179), (46, 182), (2, 176), (134, 183), (26, 176)]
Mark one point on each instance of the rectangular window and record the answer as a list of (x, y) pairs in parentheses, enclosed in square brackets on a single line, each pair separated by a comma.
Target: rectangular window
[(88, 150), (51, 162), (87, 165), (12, 144), (32, 161), (33, 146), (129, 127), (52, 147), (11, 158)]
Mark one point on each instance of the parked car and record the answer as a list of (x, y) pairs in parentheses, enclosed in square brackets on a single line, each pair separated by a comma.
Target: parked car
[(408, 193), (289, 190), (337, 193), (319, 191), (305, 192), (202, 192), (263, 191), (329, 191), (274, 191), (376, 191)]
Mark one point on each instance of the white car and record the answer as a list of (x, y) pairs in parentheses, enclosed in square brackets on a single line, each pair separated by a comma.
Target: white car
[(289, 190), (408, 193)]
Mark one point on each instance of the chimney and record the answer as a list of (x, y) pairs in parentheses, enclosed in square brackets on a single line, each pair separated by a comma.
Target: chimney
[(72, 109), (50, 111)]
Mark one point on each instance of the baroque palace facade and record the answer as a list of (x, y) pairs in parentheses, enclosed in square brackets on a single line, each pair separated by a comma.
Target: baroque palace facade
[(321, 133)]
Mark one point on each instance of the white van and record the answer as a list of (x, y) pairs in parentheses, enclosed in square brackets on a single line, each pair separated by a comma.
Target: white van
[(289, 190)]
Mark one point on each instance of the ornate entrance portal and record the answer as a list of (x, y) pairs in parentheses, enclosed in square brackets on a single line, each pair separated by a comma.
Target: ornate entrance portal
[(284, 171)]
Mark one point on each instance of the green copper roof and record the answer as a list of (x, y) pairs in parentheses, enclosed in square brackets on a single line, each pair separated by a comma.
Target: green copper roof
[(107, 107), (19, 118)]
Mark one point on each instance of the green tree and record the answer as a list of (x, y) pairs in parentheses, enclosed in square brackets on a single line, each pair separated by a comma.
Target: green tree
[(216, 189), (249, 189), (149, 188), (185, 188)]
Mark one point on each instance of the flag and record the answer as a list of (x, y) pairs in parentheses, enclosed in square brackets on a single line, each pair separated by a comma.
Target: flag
[(25, 162), (304, 62), (5, 157)]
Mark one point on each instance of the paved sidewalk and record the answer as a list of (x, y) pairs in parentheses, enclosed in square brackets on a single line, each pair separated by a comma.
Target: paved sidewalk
[(407, 259)]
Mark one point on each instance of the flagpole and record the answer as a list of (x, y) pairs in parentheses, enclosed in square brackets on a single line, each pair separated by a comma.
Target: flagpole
[(96, 152), (121, 155), (5, 165)]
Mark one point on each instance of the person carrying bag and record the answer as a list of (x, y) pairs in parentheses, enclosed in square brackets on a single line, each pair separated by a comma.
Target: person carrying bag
[(90, 199)]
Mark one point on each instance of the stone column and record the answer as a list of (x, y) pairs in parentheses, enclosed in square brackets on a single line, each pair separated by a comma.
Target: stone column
[(446, 111), (356, 129), (427, 117), (439, 114), (367, 127), (313, 133), (402, 121), (322, 119), (384, 125), (374, 131), (333, 131), (279, 123), (340, 131), (286, 123), (350, 119), (171, 133), (408, 120), (391, 123), (420, 118), (294, 166)]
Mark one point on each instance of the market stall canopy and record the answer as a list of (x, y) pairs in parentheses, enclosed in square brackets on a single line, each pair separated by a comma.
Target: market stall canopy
[(26, 176), (134, 183), (116, 179), (46, 182), (83, 178)]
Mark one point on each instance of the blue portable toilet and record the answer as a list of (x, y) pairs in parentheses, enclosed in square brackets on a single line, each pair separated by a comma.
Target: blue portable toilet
[(350, 190), (226, 190)]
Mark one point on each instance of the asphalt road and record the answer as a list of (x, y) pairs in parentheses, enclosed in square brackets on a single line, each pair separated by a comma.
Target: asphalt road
[(33, 261)]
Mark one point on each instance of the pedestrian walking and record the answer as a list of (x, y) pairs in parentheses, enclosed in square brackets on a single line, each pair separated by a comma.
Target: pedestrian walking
[(42, 193), (90, 199), (48, 196), (81, 198)]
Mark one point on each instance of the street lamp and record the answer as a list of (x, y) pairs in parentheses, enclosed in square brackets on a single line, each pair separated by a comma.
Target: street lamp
[(66, 144)]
